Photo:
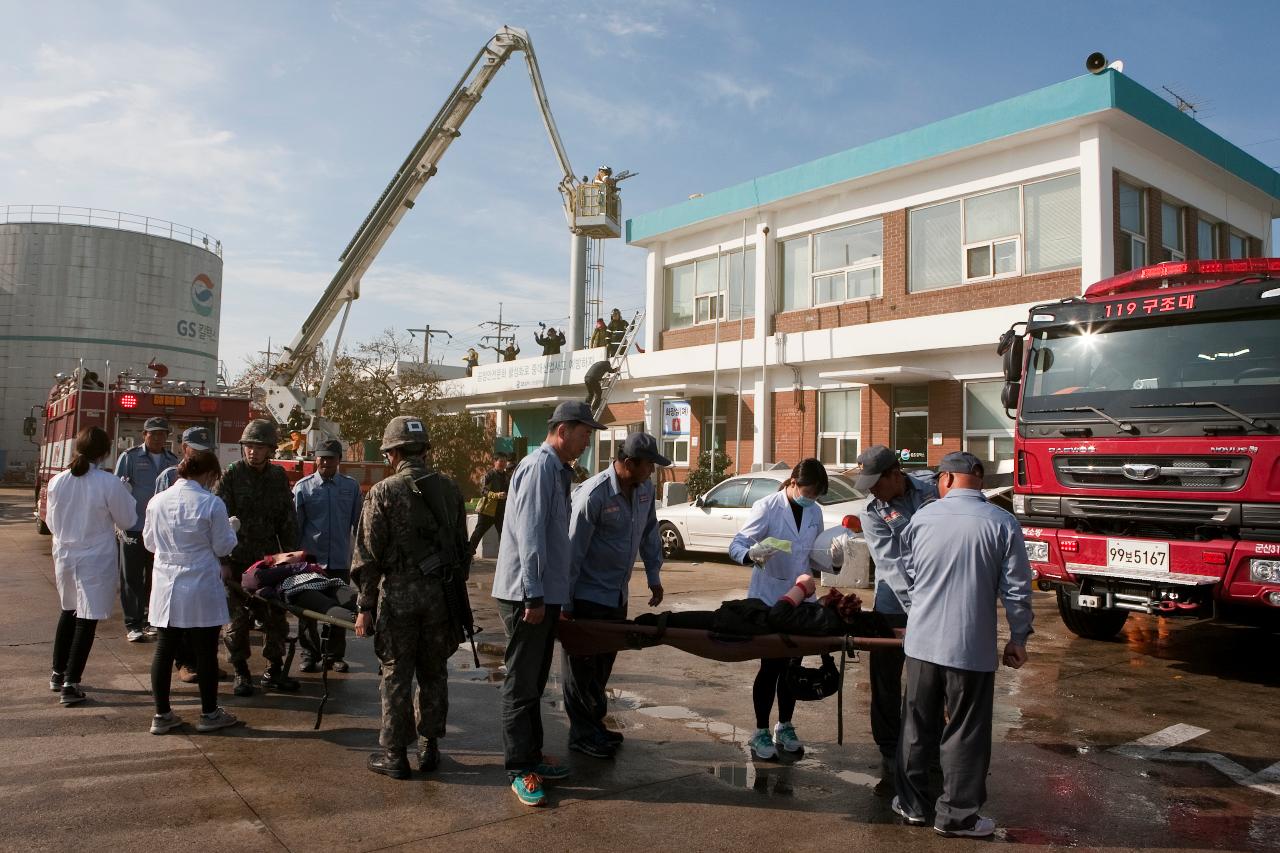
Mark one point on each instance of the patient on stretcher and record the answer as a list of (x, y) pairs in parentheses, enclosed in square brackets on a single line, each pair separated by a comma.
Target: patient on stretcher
[(292, 578), (833, 615)]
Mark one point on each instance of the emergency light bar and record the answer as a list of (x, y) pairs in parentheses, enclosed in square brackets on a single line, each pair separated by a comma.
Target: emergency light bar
[(1174, 272), (128, 401)]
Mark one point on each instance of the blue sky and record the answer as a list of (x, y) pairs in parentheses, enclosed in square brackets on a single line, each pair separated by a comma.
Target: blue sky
[(274, 126)]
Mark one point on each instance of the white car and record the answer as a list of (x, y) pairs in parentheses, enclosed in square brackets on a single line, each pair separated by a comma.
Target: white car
[(710, 522)]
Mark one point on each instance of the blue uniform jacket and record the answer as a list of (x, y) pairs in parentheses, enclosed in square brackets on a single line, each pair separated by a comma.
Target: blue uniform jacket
[(606, 532), (533, 555), (882, 526), (328, 512), (136, 467)]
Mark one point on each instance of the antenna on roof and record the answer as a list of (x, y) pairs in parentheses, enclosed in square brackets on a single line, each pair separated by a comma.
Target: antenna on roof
[(1183, 105)]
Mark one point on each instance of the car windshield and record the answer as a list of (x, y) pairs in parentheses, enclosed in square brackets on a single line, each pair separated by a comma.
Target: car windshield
[(839, 490), (1129, 370)]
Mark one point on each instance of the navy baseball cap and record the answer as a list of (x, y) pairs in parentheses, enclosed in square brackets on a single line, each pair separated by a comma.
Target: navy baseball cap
[(197, 438), (875, 461), (332, 447), (154, 424), (574, 410), (641, 445), (960, 462)]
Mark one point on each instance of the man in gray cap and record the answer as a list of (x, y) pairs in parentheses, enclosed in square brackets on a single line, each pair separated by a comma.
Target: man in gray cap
[(896, 496), (531, 584), (193, 438), (138, 468), (328, 506), (411, 550), (614, 519), (959, 554)]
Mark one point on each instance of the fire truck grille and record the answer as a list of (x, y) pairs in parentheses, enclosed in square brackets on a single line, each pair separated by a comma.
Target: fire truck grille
[(1168, 512), (1166, 473)]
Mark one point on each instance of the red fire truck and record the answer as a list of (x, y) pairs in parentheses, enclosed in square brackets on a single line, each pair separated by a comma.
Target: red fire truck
[(1147, 469), (121, 407)]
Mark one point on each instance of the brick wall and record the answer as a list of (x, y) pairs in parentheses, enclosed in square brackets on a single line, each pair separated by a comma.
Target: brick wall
[(621, 414), (877, 414), (946, 415), (795, 425), (705, 333)]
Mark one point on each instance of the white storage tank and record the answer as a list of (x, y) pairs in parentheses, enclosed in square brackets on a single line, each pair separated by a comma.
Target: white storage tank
[(104, 287)]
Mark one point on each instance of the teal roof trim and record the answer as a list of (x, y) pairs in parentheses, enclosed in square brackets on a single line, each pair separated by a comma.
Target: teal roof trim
[(1070, 99)]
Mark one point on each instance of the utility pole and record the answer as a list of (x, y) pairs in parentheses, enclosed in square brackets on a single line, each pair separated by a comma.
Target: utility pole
[(267, 352), (499, 337), (426, 339)]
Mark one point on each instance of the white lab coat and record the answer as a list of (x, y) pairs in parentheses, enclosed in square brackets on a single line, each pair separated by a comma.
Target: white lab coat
[(82, 514), (772, 516), (187, 530)]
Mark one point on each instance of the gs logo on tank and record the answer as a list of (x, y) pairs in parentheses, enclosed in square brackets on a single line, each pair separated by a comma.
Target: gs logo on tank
[(202, 295)]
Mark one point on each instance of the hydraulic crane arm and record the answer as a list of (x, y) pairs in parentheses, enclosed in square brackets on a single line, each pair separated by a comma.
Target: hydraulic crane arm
[(397, 199)]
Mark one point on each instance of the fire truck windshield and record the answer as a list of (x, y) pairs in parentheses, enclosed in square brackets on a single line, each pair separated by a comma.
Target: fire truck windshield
[(1123, 368)]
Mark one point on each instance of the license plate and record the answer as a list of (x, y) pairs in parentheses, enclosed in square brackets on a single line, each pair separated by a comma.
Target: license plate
[(1132, 554)]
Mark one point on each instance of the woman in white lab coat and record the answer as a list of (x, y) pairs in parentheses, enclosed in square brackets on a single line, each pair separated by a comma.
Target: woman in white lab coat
[(188, 530), (793, 515), (84, 507)]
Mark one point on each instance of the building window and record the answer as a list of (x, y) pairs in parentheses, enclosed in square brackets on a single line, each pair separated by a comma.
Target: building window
[(710, 289), (610, 442), (988, 432), (1206, 239), (1133, 227), (830, 267), (1030, 228), (1171, 235), (676, 448), (1237, 245), (840, 427)]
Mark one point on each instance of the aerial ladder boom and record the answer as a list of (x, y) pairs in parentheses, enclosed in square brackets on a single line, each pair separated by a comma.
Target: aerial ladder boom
[(283, 392)]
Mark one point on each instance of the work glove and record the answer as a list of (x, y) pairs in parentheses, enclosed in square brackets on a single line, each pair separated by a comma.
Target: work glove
[(761, 553), (235, 523), (836, 550)]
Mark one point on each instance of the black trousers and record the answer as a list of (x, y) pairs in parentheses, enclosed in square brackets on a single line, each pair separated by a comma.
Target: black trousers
[(885, 671), (135, 582), (484, 522), (530, 649), (311, 636), (769, 683), (962, 742), (594, 392), (201, 644), (586, 677), (72, 642)]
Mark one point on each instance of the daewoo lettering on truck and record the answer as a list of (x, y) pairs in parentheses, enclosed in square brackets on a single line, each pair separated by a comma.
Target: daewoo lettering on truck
[(1147, 455)]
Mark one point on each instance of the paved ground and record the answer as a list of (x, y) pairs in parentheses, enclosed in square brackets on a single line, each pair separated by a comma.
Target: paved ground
[(1066, 771)]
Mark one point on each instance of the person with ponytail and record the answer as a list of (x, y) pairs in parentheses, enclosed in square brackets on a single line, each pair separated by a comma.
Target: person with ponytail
[(777, 542), (86, 505)]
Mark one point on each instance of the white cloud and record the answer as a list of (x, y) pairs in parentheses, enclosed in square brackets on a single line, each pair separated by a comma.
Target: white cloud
[(722, 86)]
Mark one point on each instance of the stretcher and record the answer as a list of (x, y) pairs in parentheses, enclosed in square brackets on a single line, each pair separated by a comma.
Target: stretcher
[(598, 636)]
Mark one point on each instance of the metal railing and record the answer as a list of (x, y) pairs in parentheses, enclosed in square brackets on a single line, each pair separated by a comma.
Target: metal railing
[(68, 215)]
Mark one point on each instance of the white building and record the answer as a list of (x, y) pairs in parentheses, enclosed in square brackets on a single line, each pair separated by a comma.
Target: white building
[(878, 279)]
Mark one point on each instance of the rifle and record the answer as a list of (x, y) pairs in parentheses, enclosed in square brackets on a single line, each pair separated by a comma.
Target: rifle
[(453, 574)]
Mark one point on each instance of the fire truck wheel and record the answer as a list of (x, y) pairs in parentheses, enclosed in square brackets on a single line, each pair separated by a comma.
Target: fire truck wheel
[(41, 527), (1090, 624)]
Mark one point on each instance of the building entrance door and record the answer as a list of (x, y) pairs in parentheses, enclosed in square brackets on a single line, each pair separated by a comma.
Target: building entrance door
[(911, 424)]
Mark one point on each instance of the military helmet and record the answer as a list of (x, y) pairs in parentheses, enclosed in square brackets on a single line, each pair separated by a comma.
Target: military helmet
[(404, 430), (260, 431)]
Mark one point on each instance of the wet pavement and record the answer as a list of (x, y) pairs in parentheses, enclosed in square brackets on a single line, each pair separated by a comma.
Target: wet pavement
[(1166, 738)]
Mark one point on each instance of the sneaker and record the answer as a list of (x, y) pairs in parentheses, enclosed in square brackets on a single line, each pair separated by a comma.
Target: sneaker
[(151, 630), (901, 812), (135, 636), (310, 666), (594, 746), (340, 665), (277, 680), (551, 770), (243, 684), (55, 682), (528, 789), (982, 827), (219, 719), (72, 694), (784, 737), (761, 746), (165, 723)]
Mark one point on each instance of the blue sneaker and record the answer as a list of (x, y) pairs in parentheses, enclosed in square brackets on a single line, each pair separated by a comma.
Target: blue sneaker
[(784, 737), (550, 769), (761, 746), (528, 789)]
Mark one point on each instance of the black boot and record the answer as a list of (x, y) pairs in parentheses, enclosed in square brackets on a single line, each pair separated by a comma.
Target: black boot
[(275, 678), (885, 787), (428, 754), (391, 762), (243, 685)]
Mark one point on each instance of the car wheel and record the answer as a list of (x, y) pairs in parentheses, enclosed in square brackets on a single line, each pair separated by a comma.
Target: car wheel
[(672, 544)]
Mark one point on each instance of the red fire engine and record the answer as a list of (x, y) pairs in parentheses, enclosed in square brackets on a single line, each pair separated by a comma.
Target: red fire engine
[(121, 408), (1147, 449)]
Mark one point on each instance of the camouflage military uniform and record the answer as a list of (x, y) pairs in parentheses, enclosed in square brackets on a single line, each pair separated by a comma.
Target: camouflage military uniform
[(413, 631), (263, 502)]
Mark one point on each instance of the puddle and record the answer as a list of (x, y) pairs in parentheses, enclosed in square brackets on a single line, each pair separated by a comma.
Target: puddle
[(748, 776)]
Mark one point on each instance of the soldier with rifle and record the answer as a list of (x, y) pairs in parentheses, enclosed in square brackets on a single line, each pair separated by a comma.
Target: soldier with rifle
[(410, 569)]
